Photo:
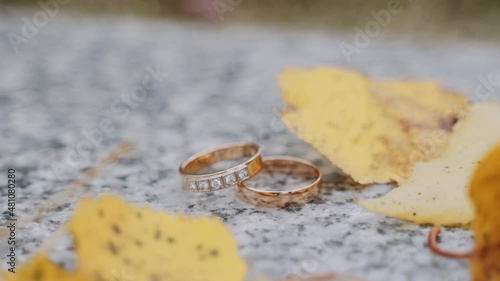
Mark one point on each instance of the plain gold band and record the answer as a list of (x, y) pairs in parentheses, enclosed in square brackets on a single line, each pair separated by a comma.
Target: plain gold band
[(282, 199), (230, 177)]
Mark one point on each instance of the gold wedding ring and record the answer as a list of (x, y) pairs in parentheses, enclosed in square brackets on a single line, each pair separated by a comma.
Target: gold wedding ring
[(290, 166), (194, 181)]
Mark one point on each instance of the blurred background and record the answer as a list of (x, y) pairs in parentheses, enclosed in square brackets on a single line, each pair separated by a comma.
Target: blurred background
[(451, 18)]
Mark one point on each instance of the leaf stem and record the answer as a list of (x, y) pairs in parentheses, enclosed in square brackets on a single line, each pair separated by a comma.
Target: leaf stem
[(433, 245)]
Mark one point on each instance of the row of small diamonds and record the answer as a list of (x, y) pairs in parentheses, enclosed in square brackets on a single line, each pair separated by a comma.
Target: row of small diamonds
[(219, 182)]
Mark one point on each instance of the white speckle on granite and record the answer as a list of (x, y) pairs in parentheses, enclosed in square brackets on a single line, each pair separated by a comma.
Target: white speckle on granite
[(221, 88)]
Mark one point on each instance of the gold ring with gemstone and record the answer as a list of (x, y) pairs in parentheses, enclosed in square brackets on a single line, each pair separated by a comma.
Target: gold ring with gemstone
[(194, 181), (289, 166)]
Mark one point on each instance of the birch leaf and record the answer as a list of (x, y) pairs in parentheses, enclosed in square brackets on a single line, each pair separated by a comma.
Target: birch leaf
[(374, 131), (113, 236), (117, 241), (437, 191)]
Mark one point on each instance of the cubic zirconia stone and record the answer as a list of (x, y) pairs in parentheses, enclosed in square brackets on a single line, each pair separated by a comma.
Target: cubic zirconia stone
[(216, 183), (242, 174), (192, 185), (203, 185), (230, 179)]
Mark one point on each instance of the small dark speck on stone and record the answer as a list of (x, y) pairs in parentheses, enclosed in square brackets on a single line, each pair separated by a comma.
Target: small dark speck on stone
[(224, 217), (62, 207), (240, 211), (317, 201), (6, 214), (292, 208), (56, 144)]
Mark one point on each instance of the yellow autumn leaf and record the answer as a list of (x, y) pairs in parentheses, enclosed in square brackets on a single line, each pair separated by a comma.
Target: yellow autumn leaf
[(436, 192), (40, 268), (374, 131), (117, 241), (485, 194), (112, 237)]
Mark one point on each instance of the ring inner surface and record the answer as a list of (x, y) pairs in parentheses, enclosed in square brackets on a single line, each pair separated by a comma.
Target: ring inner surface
[(220, 159), (283, 175)]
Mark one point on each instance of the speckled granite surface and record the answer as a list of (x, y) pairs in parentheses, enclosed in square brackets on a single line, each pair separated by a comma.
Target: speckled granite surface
[(221, 88)]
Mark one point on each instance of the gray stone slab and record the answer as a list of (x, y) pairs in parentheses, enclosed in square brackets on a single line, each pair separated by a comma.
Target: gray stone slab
[(221, 88)]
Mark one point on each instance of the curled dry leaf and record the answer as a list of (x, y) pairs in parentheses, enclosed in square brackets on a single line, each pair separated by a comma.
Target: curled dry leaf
[(118, 241), (485, 194), (374, 131), (436, 192)]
